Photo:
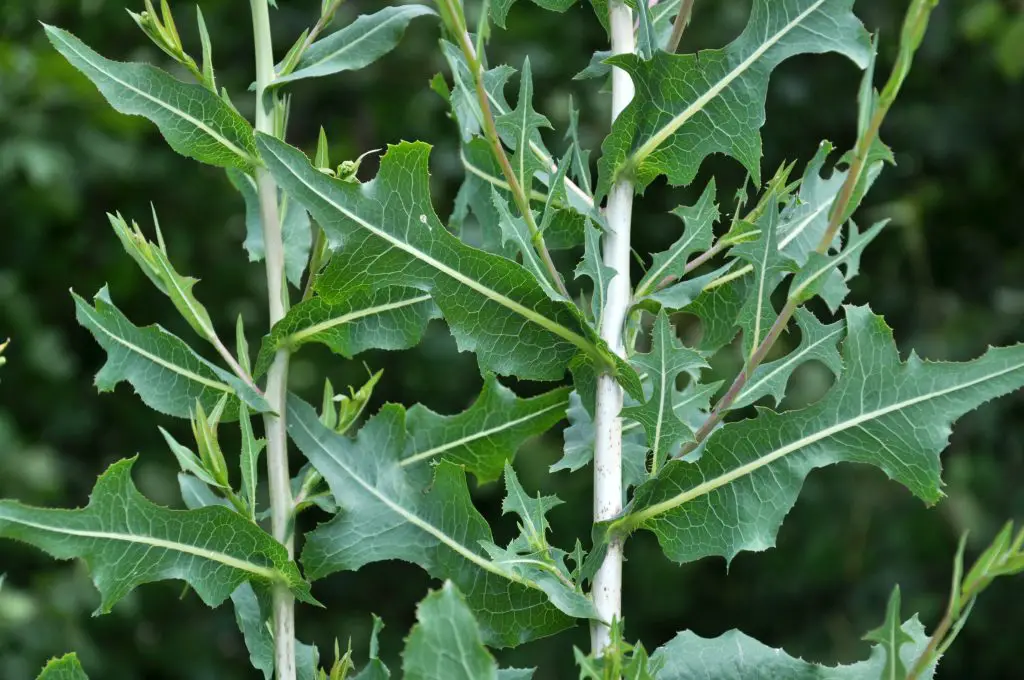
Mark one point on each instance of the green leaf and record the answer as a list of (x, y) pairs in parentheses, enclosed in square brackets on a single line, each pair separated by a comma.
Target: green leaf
[(385, 516), (689, 291), (717, 308), (492, 305), (519, 128), (697, 105), (152, 259), (593, 267), (891, 636), (531, 557), (446, 643), (487, 434), (698, 236), (374, 668), (464, 101), (249, 460), (818, 342), (251, 615), (619, 660), (483, 176), (802, 223), (820, 274), (735, 656), (770, 266), (359, 44), (580, 156), (296, 231), (127, 541), (515, 232), (887, 413), (500, 8), (64, 668), (388, 318), (666, 432), (194, 121), (167, 374)]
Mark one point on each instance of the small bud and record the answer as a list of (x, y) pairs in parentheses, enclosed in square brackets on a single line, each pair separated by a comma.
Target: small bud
[(351, 407), (205, 431)]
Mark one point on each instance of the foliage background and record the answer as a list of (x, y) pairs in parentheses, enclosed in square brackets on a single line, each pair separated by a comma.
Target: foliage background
[(948, 275)]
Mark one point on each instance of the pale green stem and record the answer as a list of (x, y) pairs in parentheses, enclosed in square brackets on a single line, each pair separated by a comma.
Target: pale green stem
[(277, 375)]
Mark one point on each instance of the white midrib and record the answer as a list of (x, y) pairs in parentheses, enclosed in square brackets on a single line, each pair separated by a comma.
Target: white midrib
[(430, 453), (162, 104), (803, 224), (528, 314), (664, 133), (833, 263), (212, 555), (347, 47), (351, 316), (654, 276), (415, 520), (498, 182), (154, 358), (785, 364), (763, 275), (742, 471), (629, 425), (662, 379), (173, 279)]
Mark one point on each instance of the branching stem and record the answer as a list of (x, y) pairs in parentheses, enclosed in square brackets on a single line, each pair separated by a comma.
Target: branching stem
[(277, 375), (456, 21), (913, 31)]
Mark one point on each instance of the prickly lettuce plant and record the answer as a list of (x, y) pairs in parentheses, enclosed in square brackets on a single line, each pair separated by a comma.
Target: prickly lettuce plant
[(356, 265)]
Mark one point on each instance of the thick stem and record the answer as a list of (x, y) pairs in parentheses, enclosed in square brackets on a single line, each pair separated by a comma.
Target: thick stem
[(277, 376), (607, 591)]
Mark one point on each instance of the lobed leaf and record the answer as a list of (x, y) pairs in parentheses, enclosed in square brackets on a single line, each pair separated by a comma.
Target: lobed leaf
[(818, 342), (391, 236), (500, 8), (484, 437), (64, 668), (167, 374), (446, 643), (736, 656), (128, 541), (666, 432), (698, 236), (887, 413), (194, 121), (694, 105), (386, 516)]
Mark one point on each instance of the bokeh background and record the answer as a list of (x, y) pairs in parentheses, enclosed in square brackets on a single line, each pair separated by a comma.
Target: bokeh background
[(948, 275)]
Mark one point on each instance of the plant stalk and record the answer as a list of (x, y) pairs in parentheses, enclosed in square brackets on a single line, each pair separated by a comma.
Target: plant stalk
[(451, 12), (914, 26), (682, 19), (277, 375), (607, 590)]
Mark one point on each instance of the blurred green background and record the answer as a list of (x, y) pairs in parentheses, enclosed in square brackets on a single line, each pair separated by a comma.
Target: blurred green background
[(948, 275)]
